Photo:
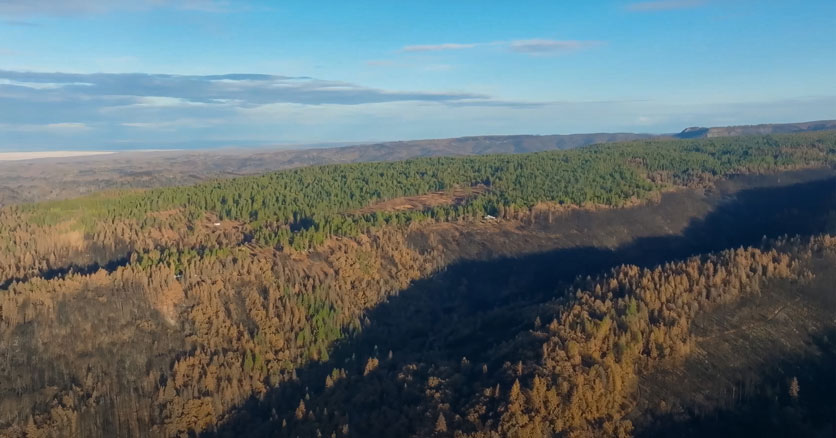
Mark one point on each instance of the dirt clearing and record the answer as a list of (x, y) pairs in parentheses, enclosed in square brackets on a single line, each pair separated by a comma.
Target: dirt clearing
[(421, 202)]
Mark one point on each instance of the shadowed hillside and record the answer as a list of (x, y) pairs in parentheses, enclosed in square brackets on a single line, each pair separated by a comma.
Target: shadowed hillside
[(483, 310), (761, 367)]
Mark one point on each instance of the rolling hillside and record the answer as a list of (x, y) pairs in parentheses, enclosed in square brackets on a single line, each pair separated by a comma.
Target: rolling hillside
[(61, 178), (549, 299)]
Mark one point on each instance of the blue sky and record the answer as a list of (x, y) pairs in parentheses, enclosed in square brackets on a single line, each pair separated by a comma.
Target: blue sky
[(114, 74)]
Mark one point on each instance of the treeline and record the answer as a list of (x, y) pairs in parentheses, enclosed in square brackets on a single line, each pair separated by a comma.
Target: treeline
[(303, 207)]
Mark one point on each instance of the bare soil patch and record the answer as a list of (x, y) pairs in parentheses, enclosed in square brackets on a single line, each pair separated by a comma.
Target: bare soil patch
[(455, 196)]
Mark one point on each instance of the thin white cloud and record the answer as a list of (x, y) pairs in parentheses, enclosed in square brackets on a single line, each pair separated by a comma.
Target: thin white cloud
[(174, 123), (537, 46), (664, 5), (62, 127), (40, 85), (39, 108), (68, 126), (178, 90), (164, 102), (548, 47)]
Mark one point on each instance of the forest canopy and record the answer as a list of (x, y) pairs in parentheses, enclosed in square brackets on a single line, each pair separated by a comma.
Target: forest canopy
[(302, 207)]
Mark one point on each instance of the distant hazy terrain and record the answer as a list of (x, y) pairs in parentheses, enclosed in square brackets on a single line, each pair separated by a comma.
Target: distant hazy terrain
[(67, 176), (19, 156), (765, 129)]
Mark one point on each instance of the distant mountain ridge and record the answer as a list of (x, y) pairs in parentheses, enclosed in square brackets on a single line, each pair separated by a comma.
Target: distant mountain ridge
[(764, 129), (66, 177), (499, 144)]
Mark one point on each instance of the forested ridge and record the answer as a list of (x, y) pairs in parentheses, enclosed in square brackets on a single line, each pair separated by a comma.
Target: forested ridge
[(161, 312), (301, 208), (40, 180)]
